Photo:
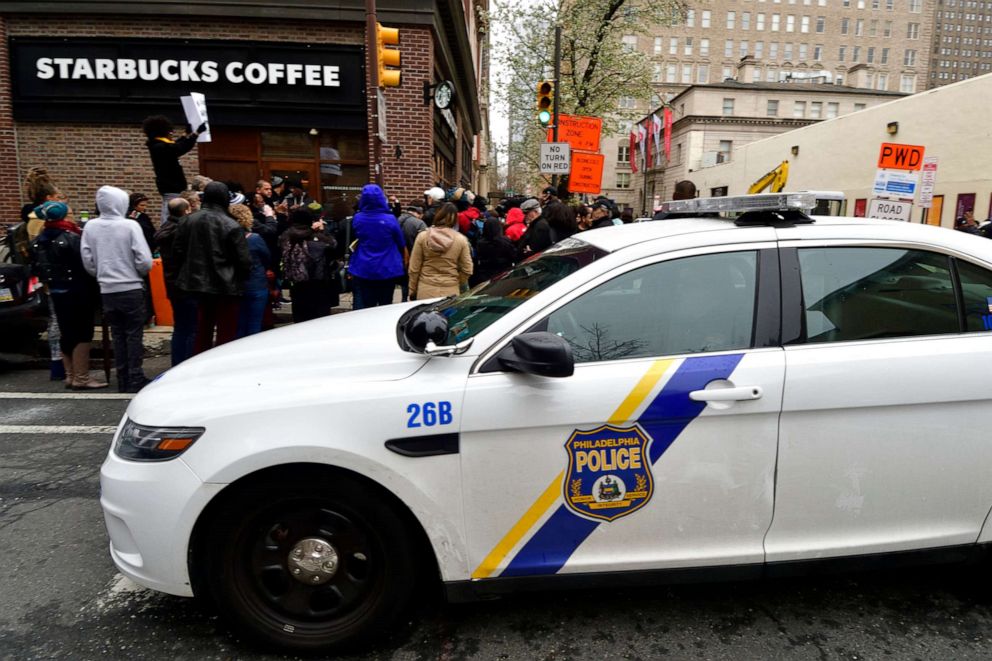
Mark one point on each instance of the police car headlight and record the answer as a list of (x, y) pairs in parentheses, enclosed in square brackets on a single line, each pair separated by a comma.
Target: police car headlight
[(140, 443)]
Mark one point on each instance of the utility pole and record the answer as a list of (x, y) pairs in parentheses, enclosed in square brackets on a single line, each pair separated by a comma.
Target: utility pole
[(554, 118), (372, 53)]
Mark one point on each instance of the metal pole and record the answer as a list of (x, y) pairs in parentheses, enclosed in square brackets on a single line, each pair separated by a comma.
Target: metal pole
[(554, 118), (371, 49)]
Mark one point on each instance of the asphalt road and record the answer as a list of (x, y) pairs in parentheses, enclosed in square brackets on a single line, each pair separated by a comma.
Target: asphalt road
[(60, 596)]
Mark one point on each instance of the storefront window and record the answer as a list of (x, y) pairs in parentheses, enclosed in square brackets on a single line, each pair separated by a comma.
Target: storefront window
[(286, 145)]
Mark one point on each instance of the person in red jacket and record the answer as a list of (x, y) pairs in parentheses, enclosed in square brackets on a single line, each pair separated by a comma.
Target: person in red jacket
[(515, 227)]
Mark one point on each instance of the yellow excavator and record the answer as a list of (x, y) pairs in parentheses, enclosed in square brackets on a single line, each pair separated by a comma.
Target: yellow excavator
[(776, 179)]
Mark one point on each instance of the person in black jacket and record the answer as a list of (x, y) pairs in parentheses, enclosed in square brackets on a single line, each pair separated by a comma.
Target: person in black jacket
[(538, 234), (493, 254), (308, 265), (56, 261), (214, 262), (184, 312), (165, 152)]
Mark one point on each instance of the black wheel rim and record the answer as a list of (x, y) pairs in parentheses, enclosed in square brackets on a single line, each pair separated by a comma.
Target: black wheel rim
[(268, 587)]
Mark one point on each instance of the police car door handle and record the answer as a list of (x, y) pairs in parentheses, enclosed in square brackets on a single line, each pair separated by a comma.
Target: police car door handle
[(726, 394)]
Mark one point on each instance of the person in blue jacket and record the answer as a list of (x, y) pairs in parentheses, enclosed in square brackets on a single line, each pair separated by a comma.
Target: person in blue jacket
[(380, 255)]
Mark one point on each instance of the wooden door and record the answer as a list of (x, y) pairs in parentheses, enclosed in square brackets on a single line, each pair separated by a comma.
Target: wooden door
[(936, 210), (232, 155)]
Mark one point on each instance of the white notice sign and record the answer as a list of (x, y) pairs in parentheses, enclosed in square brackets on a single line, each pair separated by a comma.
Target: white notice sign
[(195, 107), (929, 178), (890, 209), (556, 158)]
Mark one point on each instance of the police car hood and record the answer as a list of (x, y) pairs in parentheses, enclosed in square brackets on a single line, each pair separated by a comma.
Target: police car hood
[(333, 352)]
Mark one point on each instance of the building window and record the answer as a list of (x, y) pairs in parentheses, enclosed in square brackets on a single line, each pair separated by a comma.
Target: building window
[(772, 110), (743, 48), (915, 6), (629, 43), (845, 25), (821, 24), (704, 47), (656, 74), (790, 23), (859, 106), (623, 154), (690, 18), (670, 72), (883, 81), (726, 146), (776, 21), (728, 73), (803, 52), (913, 31), (623, 180), (703, 73), (728, 48), (773, 50), (787, 51), (818, 53), (673, 46), (687, 74), (884, 59), (728, 107), (859, 28), (687, 48), (907, 83), (759, 21), (799, 109), (909, 58), (871, 55), (887, 29), (841, 51), (873, 28), (627, 102), (832, 109), (706, 18), (804, 24), (816, 109), (657, 45), (771, 75), (759, 49), (745, 20), (856, 54)]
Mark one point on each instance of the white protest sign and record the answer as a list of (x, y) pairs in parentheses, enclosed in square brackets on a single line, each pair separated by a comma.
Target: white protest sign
[(195, 107)]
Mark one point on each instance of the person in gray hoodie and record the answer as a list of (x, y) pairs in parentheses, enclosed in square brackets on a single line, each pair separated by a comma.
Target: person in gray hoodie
[(115, 252)]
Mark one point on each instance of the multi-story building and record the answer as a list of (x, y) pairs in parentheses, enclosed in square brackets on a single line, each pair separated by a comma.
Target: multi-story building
[(887, 43), (286, 87), (962, 41), (711, 121)]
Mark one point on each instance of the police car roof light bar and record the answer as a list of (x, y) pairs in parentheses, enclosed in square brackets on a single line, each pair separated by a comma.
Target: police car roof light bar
[(743, 203)]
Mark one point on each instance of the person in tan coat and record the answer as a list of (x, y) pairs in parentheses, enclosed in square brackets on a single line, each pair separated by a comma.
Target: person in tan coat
[(441, 261)]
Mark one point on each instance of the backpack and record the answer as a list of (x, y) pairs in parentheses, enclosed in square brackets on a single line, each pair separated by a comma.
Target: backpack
[(18, 243), (296, 262), (49, 260)]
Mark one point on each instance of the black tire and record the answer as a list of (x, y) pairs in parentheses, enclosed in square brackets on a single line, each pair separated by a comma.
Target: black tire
[(248, 573)]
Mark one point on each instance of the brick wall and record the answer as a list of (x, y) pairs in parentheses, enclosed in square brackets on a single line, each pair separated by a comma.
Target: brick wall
[(10, 204), (83, 157)]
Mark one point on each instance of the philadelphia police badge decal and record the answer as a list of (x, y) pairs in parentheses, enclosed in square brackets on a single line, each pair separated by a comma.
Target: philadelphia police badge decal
[(609, 472)]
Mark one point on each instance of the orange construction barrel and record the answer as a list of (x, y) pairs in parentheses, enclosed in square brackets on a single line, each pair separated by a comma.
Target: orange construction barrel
[(160, 302)]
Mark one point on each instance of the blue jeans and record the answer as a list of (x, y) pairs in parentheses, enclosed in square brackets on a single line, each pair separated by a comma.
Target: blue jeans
[(184, 315), (253, 303), (372, 293)]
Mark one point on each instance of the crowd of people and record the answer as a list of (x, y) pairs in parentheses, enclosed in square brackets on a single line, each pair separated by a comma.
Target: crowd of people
[(230, 255)]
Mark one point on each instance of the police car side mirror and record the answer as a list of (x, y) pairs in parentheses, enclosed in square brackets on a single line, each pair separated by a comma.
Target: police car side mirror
[(540, 353), (427, 327)]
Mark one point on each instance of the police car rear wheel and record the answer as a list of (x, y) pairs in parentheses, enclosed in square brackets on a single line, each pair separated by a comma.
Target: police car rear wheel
[(311, 568)]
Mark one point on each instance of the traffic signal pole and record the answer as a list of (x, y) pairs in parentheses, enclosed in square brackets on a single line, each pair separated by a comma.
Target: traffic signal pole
[(554, 118), (372, 53)]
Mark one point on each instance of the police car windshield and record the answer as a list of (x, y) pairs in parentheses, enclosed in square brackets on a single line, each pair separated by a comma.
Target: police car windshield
[(471, 312)]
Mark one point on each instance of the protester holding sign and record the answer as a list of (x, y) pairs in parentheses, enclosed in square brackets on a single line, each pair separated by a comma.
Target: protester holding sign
[(165, 152)]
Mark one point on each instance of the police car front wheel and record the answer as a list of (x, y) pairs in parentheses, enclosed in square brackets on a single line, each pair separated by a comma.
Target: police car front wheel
[(310, 567)]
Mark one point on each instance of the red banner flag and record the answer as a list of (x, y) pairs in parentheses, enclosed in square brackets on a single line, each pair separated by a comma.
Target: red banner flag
[(668, 135), (633, 152)]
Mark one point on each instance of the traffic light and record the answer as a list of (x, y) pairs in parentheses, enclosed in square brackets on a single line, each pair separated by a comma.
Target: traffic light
[(545, 101), (388, 57)]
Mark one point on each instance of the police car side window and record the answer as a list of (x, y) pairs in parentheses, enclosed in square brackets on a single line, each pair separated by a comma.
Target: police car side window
[(976, 291), (688, 305), (871, 293)]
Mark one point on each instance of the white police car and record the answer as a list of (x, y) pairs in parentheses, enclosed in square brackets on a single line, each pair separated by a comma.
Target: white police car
[(661, 400)]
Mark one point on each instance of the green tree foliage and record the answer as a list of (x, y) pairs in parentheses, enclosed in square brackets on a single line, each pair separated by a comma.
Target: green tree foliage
[(597, 68)]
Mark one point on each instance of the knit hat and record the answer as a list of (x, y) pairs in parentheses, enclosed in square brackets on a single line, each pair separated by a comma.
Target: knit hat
[(277, 181), (51, 210), (236, 198), (316, 207)]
